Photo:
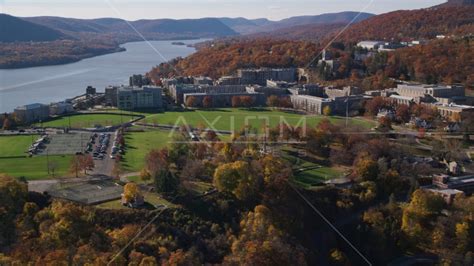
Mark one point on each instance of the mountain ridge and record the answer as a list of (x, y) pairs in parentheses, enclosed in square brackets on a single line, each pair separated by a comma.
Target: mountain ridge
[(13, 29), (251, 26)]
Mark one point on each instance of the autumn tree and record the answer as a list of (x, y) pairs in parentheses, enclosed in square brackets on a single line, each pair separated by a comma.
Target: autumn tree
[(86, 163), (6, 123), (13, 196), (131, 191), (273, 101), (246, 101), (261, 243), (402, 113), (145, 176), (423, 208), (385, 124), (366, 169), (238, 179), (236, 101), (192, 101), (327, 111), (75, 165), (374, 105), (207, 102)]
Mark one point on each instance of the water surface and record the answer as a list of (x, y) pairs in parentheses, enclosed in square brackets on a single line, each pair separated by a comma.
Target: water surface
[(48, 84)]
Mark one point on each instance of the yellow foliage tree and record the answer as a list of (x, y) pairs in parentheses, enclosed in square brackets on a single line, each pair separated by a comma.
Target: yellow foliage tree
[(327, 111), (131, 191), (236, 178)]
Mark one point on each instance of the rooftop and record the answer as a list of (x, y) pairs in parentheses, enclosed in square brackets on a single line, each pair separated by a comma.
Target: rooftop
[(31, 106)]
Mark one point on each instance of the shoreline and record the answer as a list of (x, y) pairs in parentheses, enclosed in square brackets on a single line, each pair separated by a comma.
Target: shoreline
[(66, 62), (118, 49)]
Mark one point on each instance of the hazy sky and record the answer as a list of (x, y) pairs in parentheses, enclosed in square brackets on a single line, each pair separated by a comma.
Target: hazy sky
[(137, 9)]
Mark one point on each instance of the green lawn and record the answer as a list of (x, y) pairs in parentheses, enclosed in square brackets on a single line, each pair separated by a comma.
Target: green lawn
[(139, 144), (14, 161), (315, 176), (88, 120), (14, 146), (34, 168), (235, 119)]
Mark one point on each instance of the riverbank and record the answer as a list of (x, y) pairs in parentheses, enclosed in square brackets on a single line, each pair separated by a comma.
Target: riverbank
[(25, 55), (37, 54)]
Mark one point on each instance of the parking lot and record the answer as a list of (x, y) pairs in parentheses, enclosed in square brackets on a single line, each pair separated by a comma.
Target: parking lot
[(66, 144)]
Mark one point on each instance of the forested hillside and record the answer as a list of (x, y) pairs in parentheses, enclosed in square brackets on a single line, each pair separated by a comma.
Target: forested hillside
[(13, 29), (225, 57), (413, 24)]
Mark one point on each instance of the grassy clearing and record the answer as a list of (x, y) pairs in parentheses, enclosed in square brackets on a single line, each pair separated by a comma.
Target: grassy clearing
[(14, 146), (89, 120), (316, 176), (13, 160), (35, 168), (198, 188), (308, 173), (235, 119), (139, 144)]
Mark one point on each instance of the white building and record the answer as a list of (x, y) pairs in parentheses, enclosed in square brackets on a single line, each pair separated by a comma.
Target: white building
[(371, 45)]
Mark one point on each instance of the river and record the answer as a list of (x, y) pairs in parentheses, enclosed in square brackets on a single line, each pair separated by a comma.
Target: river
[(48, 84)]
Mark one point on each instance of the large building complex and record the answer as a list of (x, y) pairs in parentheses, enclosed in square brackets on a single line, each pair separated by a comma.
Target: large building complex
[(314, 99), (261, 75), (177, 92), (446, 99), (133, 98)]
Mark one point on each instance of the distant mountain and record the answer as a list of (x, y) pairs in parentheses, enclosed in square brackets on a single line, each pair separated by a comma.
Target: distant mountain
[(250, 26), (209, 26), (13, 29), (310, 32), (413, 24), (205, 27), (330, 18), (245, 26), (457, 3)]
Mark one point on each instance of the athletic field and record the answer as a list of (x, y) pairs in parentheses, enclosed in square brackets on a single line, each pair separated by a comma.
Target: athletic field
[(89, 121), (236, 119)]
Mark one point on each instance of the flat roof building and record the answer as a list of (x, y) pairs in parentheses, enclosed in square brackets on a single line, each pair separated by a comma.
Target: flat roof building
[(225, 99), (448, 186), (60, 108), (435, 91), (32, 113), (371, 45), (133, 98), (261, 75), (203, 81)]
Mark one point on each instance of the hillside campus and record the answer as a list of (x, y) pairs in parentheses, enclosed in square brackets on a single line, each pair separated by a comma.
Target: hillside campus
[(145, 114)]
